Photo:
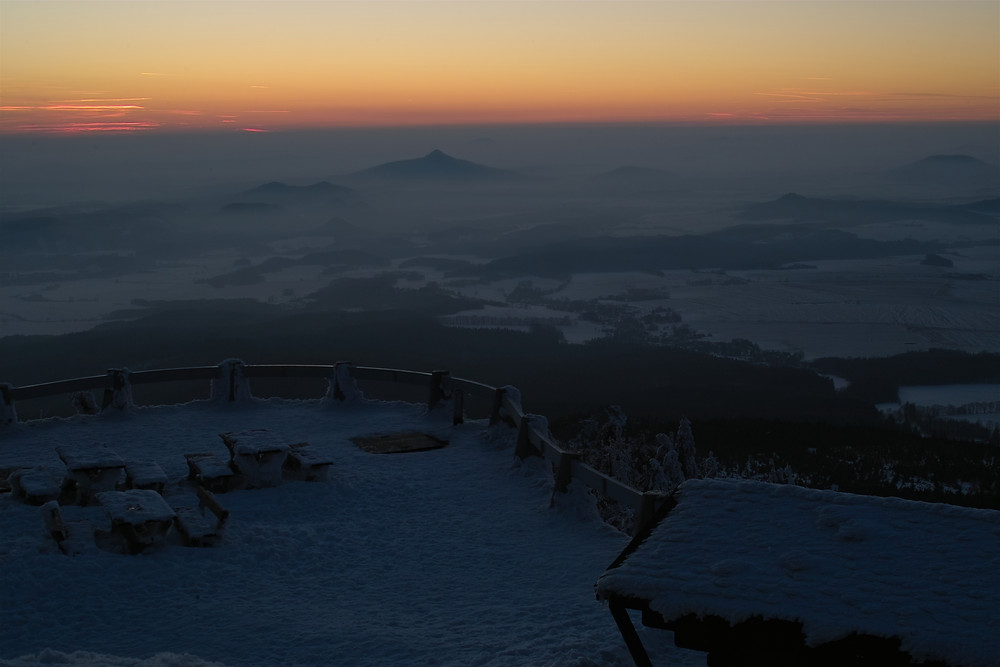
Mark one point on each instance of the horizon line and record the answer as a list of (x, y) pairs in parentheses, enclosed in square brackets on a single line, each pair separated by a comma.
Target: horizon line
[(707, 124)]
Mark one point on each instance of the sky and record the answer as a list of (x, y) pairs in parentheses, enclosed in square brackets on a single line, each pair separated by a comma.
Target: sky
[(117, 66)]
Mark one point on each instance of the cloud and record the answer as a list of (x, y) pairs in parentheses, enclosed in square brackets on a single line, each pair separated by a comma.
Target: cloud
[(88, 128), (89, 107), (810, 95), (944, 96), (114, 99)]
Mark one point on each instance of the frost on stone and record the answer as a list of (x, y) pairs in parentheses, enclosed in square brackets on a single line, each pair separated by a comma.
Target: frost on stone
[(232, 386), (343, 388), (85, 404), (512, 393), (8, 414), (121, 389)]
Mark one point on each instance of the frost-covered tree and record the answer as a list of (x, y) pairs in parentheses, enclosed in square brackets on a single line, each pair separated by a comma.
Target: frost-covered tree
[(684, 443), (710, 466), (665, 470)]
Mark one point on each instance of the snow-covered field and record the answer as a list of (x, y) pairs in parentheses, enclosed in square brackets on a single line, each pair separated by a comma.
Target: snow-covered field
[(950, 394), (844, 308), (848, 308), (451, 556)]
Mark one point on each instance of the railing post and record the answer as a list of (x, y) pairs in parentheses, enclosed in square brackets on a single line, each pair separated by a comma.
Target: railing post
[(524, 448), (8, 414), (118, 390), (497, 405), (343, 386), (647, 507), (458, 404), (437, 390), (564, 471), (231, 385)]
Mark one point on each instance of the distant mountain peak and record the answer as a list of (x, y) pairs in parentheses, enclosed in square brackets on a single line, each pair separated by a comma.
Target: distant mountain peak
[(282, 192), (958, 173), (952, 159), (436, 165)]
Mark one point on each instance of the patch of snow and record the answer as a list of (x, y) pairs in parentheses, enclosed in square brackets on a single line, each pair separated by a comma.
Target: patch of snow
[(839, 383), (949, 394)]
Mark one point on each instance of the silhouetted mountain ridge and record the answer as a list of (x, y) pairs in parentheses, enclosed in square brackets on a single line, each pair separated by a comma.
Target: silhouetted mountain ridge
[(633, 179), (435, 166), (844, 212), (768, 246), (277, 191), (949, 171)]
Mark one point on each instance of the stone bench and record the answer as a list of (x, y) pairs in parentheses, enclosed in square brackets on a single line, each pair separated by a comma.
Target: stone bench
[(74, 537), (304, 463), (145, 475), (36, 486), (92, 468), (197, 527), (210, 472), (258, 454)]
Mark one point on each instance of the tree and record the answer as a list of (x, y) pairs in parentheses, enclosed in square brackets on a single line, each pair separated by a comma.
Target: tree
[(684, 442)]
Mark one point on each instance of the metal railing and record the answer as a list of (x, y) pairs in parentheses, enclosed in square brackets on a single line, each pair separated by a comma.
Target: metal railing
[(230, 382)]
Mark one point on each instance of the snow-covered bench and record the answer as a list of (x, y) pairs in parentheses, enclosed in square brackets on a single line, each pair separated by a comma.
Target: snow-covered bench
[(145, 475), (140, 517), (35, 486), (92, 468), (258, 454), (304, 463), (197, 527), (210, 472), (74, 537)]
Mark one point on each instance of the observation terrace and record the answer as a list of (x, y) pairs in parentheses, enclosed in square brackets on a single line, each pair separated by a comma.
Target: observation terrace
[(484, 551)]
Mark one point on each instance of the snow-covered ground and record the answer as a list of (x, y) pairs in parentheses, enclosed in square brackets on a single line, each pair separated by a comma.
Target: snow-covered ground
[(451, 556), (520, 318), (965, 402), (846, 308), (949, 394)]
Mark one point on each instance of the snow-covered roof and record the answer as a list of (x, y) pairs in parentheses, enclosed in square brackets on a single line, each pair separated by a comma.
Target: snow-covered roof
[(838, 563), (448, 556)]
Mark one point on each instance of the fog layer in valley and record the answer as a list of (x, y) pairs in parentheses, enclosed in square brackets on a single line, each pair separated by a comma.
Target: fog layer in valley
[(840, 241)]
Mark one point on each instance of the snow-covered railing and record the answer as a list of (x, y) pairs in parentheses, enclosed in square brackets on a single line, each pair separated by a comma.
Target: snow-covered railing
[(230, 382)]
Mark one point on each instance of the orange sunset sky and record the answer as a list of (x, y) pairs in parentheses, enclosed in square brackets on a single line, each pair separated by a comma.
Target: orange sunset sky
[(88, 66)]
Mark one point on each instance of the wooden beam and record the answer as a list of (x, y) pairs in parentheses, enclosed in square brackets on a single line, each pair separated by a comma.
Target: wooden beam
[(635, 648)]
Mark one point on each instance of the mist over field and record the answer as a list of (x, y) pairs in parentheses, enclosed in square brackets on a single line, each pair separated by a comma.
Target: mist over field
[(40, 170), (525, 250)]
